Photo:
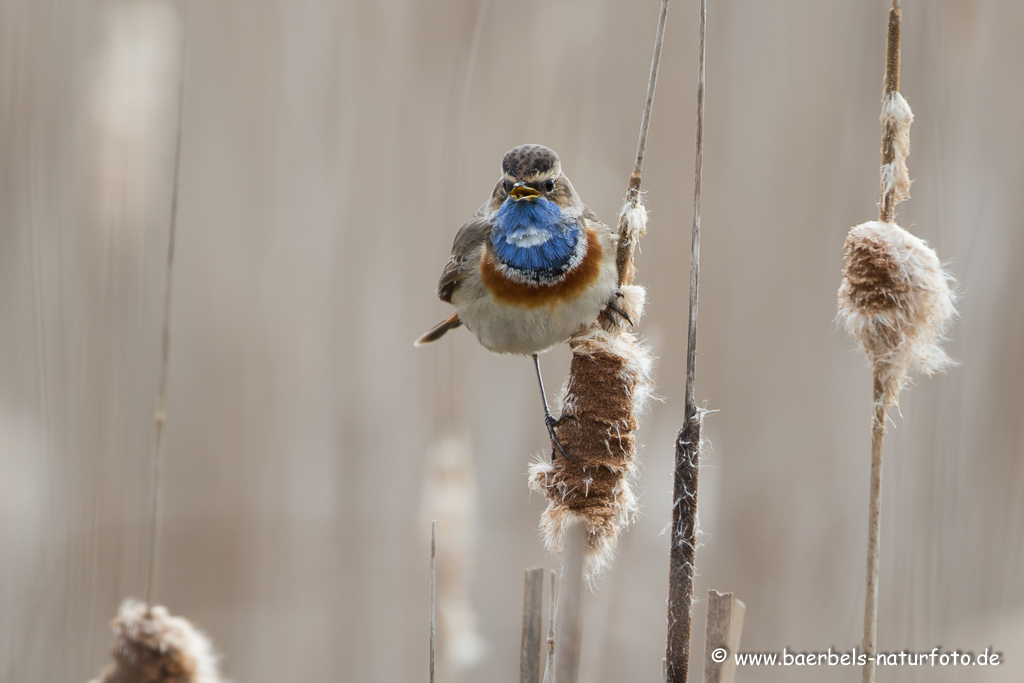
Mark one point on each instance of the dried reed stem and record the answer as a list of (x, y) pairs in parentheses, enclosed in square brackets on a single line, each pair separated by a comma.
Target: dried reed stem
[(160, 416), (533, 619), (549, 665), (433, 596), (892, 191), (688, 442), (628, 238), (868, 644), (568, 626), (895, 180), (652, 82), (724, 629)]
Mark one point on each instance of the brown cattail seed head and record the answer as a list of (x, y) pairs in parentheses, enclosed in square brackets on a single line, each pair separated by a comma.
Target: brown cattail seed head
[(609, 385), (896, 301), (158, 648)]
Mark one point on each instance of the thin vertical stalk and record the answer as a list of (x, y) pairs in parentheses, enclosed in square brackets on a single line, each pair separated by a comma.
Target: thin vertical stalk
[(645, 120), (549, 665), (533, 620), (433, 596), (869, 642), (627, 237), (890, 196), (687, 448), (160, 416), (568, 626)]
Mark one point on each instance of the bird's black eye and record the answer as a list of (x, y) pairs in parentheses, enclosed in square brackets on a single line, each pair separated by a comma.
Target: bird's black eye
[(549, 185), (508, 186)]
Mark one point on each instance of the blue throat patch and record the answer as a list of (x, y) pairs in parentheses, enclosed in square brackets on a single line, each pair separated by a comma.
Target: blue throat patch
[(540, 222)]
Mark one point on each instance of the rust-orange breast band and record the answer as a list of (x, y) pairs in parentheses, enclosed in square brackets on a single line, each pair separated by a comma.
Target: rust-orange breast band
[(536, 295)]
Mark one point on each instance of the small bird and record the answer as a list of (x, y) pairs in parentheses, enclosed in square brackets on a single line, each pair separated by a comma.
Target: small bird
[(532, 267)]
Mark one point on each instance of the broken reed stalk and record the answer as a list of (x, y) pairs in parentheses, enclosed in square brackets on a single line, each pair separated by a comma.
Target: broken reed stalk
[(549, 664), (568, 626), (688, 442), (896, 300), (160, 416), (533, 620), (724, 630), (609, 384)]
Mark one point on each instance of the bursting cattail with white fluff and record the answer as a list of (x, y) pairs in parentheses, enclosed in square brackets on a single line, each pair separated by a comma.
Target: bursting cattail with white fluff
[(156, 647), (609, 385), (896, 301), (895, 298)]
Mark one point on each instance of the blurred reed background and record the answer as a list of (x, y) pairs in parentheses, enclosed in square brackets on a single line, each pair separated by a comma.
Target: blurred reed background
[(331, 150)]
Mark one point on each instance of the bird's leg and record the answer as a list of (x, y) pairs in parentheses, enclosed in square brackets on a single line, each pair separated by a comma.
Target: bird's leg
[(614, 307), (549, 421)]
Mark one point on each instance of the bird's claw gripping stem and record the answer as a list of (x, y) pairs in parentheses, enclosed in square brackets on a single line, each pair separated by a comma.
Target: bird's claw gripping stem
[(612, 306), (549, 421)]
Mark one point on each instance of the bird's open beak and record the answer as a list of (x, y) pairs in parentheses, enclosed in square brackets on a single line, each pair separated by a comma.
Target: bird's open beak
[(520, 192)]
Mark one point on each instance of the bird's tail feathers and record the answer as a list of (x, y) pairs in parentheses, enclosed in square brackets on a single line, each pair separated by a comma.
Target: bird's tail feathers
[(439, 331)]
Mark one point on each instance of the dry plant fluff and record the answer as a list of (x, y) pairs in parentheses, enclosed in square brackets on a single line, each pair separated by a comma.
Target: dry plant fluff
[(896, 301), (158, 648), (609, 385), (895, 177)]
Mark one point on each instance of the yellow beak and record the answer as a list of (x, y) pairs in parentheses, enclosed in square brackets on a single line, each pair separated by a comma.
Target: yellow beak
[(520, 192)]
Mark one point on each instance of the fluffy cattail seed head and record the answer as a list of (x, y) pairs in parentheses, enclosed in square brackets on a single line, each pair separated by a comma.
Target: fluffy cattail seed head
[(155, 647), (896, 300), (609, 386)]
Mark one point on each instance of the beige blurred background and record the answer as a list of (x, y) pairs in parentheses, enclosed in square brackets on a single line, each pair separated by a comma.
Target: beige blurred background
[(331, 150)]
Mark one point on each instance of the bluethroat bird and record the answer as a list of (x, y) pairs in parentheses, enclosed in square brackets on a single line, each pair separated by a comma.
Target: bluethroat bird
[(532, 267)]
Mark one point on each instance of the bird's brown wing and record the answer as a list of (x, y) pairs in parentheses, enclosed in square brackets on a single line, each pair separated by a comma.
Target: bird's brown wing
[(470, 236)]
